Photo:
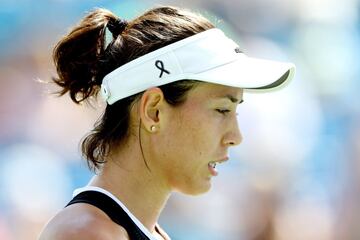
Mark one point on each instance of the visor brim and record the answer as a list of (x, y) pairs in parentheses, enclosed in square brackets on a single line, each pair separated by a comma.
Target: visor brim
[(249, 73)]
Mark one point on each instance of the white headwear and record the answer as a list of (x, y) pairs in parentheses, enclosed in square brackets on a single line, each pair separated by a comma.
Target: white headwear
[(208, 56)]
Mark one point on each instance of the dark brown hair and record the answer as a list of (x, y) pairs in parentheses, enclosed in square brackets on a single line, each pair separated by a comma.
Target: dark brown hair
[(82, 60)]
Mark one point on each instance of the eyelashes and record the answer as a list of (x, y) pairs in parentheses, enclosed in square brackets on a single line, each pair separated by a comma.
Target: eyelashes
[(223, 111)]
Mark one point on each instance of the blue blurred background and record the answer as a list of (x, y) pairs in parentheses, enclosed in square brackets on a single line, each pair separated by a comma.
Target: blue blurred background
[(295, 176)]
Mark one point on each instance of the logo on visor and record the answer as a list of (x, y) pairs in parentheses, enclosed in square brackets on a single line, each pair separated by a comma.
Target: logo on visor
[(160, 65), (237, 50)]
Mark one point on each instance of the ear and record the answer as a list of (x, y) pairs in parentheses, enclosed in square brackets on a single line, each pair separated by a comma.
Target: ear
[(151, 104)]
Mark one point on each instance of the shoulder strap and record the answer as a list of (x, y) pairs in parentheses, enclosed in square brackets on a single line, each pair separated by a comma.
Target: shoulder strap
[(112, 209)]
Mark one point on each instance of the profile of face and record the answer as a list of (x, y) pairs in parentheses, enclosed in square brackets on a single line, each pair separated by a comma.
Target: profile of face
[(195, 135)]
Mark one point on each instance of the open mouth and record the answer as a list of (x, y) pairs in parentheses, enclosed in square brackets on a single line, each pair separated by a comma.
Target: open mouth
[(212, 166)]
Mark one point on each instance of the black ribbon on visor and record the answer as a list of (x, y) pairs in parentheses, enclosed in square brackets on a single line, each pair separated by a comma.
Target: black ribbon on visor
[(160, 65)]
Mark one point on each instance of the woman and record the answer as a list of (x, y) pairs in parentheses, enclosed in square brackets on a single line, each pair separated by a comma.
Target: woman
[(172, 82)]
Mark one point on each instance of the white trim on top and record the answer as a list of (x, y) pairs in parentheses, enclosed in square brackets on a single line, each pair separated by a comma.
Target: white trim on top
[(109, 194)]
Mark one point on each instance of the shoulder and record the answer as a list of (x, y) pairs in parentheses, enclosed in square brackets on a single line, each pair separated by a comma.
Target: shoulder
[(82, 221)]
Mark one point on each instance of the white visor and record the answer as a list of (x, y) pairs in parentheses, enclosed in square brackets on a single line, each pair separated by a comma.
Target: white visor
[(208, 56)]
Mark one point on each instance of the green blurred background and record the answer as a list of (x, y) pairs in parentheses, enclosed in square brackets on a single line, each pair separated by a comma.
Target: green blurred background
[(296, 175)]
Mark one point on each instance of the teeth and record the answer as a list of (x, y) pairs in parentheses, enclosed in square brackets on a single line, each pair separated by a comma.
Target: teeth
[(212, 164)]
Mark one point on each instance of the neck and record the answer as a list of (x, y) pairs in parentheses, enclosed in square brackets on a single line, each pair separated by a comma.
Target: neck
[(139, 189)]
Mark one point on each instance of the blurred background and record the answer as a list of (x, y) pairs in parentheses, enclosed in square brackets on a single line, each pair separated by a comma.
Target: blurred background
[(295, 176)]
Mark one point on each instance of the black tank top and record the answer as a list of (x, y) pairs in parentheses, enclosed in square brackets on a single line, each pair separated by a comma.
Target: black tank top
[(112, 209)]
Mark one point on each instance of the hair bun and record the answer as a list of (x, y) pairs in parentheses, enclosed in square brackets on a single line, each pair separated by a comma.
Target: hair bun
[(116, 26)]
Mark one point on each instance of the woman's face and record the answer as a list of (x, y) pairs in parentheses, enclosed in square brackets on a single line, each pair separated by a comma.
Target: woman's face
[(196, 135)]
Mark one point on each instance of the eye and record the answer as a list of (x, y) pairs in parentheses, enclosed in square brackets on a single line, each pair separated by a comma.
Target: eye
[(223, 111)]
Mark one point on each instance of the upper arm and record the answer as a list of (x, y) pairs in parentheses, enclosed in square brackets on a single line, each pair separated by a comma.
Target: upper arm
[(88, 231)]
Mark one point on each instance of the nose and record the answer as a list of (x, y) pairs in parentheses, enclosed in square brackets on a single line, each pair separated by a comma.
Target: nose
[(233, 137)]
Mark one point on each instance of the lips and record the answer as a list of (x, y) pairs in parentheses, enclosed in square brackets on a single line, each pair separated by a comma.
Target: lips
[(212, 166)]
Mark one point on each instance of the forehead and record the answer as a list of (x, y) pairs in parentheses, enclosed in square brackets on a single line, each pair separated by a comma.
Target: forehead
[(216, 91)]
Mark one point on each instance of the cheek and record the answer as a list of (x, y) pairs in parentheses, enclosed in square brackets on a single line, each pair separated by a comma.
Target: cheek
[(188, 143), (191, 134)]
